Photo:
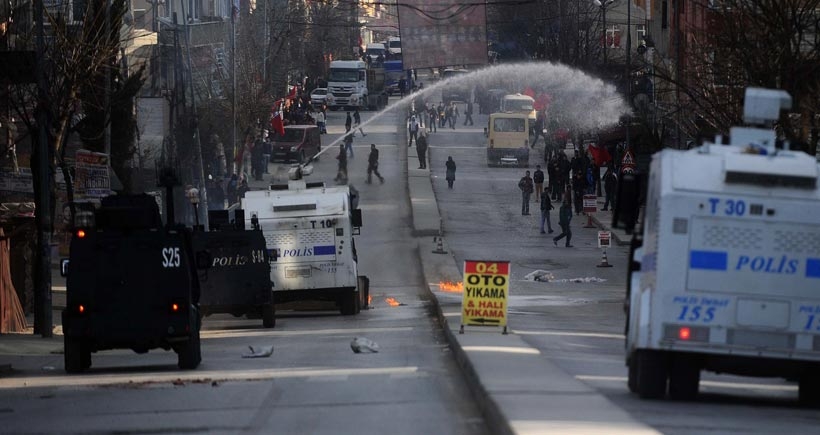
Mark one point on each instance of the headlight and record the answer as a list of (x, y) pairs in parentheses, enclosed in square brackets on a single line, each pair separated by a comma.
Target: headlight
[(293, 149)]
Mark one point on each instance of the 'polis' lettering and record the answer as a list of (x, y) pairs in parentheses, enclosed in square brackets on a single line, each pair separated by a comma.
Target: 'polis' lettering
[(783, 265), (300, 252)]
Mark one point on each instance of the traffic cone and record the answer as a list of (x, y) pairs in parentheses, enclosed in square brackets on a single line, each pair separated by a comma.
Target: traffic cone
[(439, 245), (604, 262)]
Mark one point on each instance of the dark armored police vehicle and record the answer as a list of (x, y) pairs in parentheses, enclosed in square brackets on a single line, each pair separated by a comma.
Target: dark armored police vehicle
[(132, 284)]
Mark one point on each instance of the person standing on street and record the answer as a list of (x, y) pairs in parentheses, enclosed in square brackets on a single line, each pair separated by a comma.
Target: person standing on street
[(525, 184), (357, 120), (320, 122), (432, 127), (348, 123), (468, 113), (538, 179), (348, 145), (341, 173), (564, 217), (413, 130), (267, 149), (546, 206), (610, 183), (373, 164), (421, 149), (451, 171)]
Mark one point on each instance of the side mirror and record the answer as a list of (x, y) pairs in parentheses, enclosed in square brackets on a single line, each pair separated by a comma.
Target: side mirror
[(356, 219), (64, 267), (203, 260)]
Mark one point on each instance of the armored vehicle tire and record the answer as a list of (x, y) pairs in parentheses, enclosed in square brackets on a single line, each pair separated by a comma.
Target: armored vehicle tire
[(652, 374), (809, 390), (349, 303), (632, 377), (189, 354), (684, 378), (269, 315), (77, 356)]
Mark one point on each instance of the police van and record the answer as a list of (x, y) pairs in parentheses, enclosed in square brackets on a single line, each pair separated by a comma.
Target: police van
[(308, 230), (725, 275)]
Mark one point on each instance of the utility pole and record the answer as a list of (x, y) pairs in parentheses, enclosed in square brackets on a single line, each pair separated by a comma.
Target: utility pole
[(628, 64), (42, 276), (234, 13), (107, 97), (197, 144)]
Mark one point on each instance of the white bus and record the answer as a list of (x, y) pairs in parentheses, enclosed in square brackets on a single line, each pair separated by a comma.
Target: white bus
[(309, 230)]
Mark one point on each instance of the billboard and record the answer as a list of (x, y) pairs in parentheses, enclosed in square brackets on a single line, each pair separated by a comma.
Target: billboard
[(437, 33)]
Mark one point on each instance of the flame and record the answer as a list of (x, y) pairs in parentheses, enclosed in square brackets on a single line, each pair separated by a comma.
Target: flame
[(392, 302), (452, 287), (369, 300)]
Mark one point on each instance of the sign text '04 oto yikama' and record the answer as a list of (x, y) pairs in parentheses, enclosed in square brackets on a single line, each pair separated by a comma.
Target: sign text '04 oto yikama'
[(486, 286)]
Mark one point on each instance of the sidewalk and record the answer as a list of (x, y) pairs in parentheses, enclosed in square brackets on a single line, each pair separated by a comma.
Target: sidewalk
[(518, 390)]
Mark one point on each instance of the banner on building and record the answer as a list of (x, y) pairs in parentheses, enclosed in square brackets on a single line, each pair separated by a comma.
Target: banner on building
[(438, 33), (91, 177)]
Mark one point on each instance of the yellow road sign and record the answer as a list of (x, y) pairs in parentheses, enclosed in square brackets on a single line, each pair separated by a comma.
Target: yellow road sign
[(486, 287)]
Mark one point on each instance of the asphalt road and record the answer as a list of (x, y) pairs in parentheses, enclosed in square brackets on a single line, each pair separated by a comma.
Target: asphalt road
[(312, 384)]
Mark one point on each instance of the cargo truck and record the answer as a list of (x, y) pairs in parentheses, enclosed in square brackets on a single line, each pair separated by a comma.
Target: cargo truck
[(354, 84)]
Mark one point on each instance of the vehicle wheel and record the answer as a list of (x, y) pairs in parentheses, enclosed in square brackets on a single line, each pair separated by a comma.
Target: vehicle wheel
[(189, 354), (809, 390), (684, 378), (349, 302), (269, 315), (632, 377), (76, 356), (652, 374)]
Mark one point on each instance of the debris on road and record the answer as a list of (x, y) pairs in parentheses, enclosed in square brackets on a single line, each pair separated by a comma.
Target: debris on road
[(178, 382), (364, 345), (547, 276), (259, 352)]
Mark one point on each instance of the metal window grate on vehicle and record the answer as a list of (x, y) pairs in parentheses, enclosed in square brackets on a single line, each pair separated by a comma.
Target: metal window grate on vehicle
[(803, 242), (726, 237)]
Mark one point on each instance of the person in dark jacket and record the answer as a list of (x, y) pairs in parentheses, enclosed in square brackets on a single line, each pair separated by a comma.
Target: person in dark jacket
[(538, 179), (230, 190), (357, 120), (546, 206), (421, 148), (341, 174), (610, 184), (373, 164), (564, 218), (348, 122), (451, 171), (526, 186)]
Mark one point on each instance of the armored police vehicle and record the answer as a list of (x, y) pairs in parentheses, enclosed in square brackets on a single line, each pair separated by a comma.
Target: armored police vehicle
[(238, 279), (726, 271), (131, 284), (309, 228)]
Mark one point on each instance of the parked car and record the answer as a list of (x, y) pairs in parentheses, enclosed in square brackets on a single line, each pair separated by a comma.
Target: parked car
[(318, 96), (298, 144)]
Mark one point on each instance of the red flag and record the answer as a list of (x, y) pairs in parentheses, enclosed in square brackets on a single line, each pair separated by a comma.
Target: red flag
[(600, 155), (292, 93), (529, 92), (541, 102), (276, 123)]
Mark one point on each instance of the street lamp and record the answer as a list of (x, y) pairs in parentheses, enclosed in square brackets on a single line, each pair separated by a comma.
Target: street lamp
[(603, 5), (193, 196)]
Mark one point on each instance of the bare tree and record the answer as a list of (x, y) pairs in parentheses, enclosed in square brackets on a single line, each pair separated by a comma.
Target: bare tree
[(742, 43)]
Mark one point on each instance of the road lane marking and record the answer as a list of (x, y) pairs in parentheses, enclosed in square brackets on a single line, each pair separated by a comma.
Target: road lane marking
[(271, 333)]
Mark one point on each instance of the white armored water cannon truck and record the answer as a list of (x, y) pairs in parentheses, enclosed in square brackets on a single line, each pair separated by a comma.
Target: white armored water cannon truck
[(725, 271)]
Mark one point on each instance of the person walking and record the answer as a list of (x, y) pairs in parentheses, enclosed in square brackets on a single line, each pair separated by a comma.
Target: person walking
[(348, 143), (413, 130), (526, 186), (320, 122), (267, 149), (373, 164), (538, 179), (451, 171), (341, 173), (546, 206), (348, 123), (610, 183), (564, 217), (357, 121), (230, 190), (468, 113), (421, 149), (432, 127)]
